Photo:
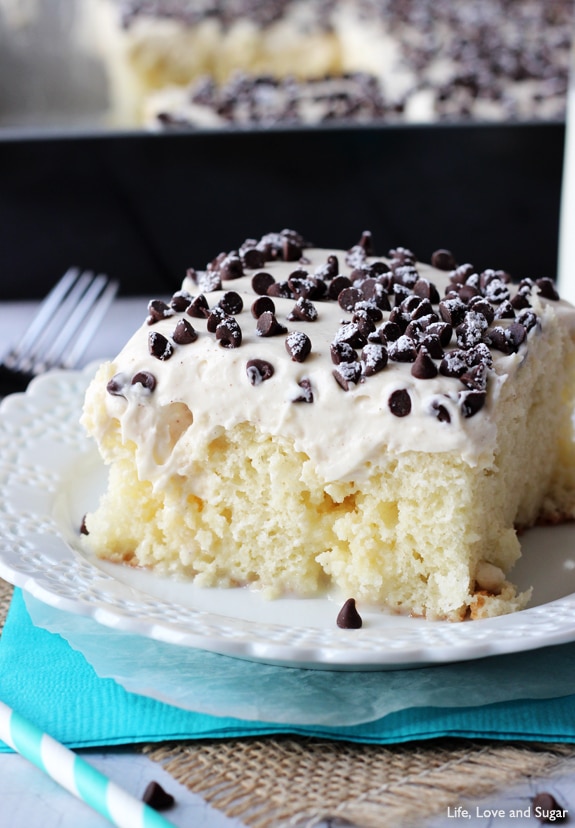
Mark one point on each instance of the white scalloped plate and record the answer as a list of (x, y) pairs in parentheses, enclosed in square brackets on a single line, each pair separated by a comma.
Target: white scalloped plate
[(50, 475)]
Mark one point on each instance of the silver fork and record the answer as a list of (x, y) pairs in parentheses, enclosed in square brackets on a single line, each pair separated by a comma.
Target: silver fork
[(61, 330)]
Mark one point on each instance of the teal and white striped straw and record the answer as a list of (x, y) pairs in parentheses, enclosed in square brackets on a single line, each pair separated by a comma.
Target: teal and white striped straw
[(76, 775)]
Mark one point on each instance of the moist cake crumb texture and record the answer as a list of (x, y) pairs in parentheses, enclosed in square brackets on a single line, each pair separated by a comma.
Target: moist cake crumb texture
[(298, 420)]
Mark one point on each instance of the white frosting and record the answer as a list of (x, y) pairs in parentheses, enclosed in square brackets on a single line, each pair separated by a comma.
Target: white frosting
[(342, 432)]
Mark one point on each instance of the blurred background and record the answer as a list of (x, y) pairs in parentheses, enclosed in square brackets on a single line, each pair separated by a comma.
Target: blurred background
[(456, 139)]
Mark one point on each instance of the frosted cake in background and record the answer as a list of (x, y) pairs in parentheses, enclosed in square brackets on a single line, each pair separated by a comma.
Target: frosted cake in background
[(430, 60), (296, 420)]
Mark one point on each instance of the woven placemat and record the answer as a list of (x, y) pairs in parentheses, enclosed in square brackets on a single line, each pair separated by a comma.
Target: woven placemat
[(287, 781)]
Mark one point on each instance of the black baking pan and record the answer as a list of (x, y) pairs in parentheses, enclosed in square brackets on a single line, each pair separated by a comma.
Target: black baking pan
[(144, 207)]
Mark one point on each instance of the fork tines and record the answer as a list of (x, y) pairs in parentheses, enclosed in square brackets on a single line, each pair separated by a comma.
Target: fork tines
[(63, 327)]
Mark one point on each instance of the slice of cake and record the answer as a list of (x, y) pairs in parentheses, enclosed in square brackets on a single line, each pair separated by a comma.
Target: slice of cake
[(298, 420), (245, 101), (148, 45)]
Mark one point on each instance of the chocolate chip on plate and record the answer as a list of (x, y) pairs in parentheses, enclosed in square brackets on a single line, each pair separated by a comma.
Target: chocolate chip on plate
[(348, 618), (157, 798)]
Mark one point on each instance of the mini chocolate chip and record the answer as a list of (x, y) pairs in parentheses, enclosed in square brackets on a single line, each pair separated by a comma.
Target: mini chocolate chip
[(336, 286), (333, 264), (374, 358), (423, 309), (424, 367), (369, 307), (366, 242), (258, 371), (347, 374), (231, 268), (146, 379), (443, 330), (461, 273), (405, 276), (440, 412), (348, 298), (452, 311), (342, 352), (505, 311), (403, 350), (427, 290), (400, 403), (209, 281), (527, 318), (180, 300), (390, 330), (355, 256), (117, 385), (496, 291), (547, 809), (83, 527), (199, 308), (229, 333), (184, 333), (468, 292), (481, 305), (470, 331), (157, 798), (252, 258), (262, 304), (304, 310), (475, 378), (306, 395), (364, 322), (374, 291), (454, 364), (215, 316), (291, 252), (520, 301), (349, 332), (443, 260), (231, 302), (433, 344), (298, 346), (547, 288), (507, 340), (157, 310), (268, 325), (400, 318), (261, 282), (471, 402), (281, 290), (348, 618), (159, 346)]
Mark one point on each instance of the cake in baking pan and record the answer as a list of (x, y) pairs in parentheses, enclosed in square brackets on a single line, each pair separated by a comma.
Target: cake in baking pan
[(298, 420), (430, 60)]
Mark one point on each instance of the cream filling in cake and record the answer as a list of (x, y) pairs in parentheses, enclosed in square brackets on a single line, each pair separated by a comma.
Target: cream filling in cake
[(338, 441)]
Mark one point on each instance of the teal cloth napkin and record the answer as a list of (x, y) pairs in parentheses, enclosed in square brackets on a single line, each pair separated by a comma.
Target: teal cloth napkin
[(48, 682)]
